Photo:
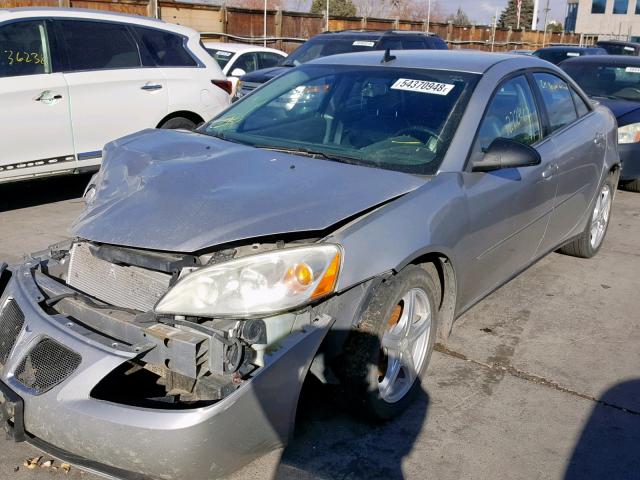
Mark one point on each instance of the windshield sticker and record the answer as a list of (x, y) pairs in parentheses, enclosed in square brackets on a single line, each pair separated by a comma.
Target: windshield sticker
[(363, 43), (223, 53), (629, 49), (632, 69), (573, 54), (422, 86)]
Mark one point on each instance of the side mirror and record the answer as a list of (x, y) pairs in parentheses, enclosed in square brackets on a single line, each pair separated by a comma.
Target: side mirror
[(505, 153), (238, 72)]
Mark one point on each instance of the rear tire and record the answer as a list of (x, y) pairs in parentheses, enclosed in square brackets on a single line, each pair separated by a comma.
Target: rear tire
[(592, 238), (391, 347), (179, 123), (633, 185)]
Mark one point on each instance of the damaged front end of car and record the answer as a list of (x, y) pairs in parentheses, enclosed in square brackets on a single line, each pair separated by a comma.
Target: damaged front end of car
[(122, 360)]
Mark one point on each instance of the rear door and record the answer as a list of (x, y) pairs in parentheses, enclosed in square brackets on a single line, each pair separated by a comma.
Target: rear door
[(111, 94), (579, 145), (35, 129), (509, 209)]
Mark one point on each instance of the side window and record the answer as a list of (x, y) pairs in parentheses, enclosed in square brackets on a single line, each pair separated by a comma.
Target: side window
[(581, 106), (413, 44), (159, 48), (391, 44), (247, 62), (557, 100), (24, 49), (268, 59), (98, 45), (511, 114)]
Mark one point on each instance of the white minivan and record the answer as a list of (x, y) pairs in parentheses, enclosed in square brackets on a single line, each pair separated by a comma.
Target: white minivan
[(72, 80)]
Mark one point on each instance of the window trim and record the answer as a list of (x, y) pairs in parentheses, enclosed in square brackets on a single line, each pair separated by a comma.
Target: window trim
[(541, 122)]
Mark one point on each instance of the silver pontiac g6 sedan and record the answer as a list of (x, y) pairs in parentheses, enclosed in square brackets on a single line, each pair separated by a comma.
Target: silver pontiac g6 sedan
[(335, 222)]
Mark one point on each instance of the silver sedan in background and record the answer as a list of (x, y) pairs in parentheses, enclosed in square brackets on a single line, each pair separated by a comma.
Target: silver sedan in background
[(335, 222)]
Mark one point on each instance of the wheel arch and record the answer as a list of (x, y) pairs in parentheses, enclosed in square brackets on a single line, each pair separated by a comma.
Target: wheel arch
[(194, 117)]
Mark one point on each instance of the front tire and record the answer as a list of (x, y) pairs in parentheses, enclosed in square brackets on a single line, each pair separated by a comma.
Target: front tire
[(179, 123), (590, 241), (391, 347)]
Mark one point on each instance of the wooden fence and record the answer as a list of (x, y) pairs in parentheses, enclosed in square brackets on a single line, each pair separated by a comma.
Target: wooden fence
[(286, 29)]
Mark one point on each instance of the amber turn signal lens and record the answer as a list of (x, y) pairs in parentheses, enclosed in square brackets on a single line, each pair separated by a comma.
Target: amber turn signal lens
[(328, 282)]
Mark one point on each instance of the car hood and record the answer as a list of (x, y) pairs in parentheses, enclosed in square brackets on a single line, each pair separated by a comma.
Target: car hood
[(619, 107), (264, 75), (185, 192)]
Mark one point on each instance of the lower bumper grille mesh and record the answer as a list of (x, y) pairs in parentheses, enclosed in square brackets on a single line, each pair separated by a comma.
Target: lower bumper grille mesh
[(11, 323), (46, 365)]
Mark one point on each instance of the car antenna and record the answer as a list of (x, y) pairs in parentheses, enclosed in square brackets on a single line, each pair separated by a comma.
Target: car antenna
[(387, 56)]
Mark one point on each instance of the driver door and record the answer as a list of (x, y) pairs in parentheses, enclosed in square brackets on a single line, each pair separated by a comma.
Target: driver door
[(509, 209)]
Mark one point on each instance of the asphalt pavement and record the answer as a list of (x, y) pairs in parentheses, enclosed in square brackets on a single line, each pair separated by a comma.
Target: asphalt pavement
[(541, 380)]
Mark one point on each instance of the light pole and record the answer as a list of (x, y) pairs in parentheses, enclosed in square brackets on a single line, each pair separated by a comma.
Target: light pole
[(264, 35), (327, 15), (428, 15), (546, 13)]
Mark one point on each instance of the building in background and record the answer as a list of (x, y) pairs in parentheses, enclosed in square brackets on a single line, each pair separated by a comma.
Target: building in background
[(604, 19)]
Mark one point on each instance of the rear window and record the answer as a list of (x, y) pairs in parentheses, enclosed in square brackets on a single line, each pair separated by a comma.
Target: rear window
[(609, 81), (220, 56), (163, 49), (323, 47), (615, 49), (98, 45)]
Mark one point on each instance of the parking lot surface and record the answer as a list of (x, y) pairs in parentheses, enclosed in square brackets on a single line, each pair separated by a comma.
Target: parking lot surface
[(541, 380)]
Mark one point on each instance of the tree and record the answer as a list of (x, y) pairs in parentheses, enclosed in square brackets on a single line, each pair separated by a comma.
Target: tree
[(555, 26), (338, 8), (459, 18), (509, 16)]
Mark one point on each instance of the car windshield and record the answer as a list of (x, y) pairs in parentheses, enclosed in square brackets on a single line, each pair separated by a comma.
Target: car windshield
[(220, 56), (323, 47), (397, 119), (610, 81)]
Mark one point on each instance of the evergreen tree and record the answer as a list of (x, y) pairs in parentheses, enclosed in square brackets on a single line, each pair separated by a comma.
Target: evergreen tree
[(337, 8), (509, 16)]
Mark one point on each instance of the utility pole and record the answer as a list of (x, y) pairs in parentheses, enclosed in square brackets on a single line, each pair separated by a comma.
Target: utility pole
[(327, 15), (428, 15), (546, 14), (493, 35), (264, 31), (534, 23)]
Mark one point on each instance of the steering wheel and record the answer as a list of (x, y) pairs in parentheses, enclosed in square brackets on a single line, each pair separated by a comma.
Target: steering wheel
[(421, 133)]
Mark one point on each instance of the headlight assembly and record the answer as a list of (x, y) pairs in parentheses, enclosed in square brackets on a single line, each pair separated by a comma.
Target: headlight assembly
[(629, 133), (260, 284)]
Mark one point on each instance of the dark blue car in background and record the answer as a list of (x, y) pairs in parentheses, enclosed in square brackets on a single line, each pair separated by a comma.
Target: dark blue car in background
[(347, 41), (558, 54), (614, 81)]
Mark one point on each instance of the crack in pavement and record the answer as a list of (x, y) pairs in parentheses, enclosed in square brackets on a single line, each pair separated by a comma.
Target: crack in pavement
[(529, 377)]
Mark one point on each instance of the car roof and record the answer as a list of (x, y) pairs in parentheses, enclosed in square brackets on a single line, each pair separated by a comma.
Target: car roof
[(471, 61), (54, 12), (618, 42), (240, 47), (605, 60), (567, 47), (364, 33)]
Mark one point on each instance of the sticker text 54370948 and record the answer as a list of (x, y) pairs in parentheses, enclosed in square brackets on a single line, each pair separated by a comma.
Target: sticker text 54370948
[(422, 86)]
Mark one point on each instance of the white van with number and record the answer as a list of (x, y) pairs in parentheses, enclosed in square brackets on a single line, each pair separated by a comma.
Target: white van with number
[(73, 80)]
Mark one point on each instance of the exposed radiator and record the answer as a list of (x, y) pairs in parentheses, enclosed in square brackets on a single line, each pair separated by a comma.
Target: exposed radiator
[(119, 285)]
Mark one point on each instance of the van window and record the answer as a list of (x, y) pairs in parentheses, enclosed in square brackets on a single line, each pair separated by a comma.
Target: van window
[(163, 49), (24, 49), (98, 45)]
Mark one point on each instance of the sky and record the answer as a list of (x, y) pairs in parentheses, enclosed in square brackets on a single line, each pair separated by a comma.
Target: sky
[(482, 11)]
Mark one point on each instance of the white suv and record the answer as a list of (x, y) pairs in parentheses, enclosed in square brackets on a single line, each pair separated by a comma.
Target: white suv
[(72, 80)]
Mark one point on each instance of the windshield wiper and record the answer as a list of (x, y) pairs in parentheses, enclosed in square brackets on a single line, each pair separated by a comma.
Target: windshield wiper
[(314, 154)]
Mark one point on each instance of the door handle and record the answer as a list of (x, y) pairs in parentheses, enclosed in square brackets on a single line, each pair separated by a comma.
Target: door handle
[(550, 171), (600, 139), (44, 97), (151, 88)]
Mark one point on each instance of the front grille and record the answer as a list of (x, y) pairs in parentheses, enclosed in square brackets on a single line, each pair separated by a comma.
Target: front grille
[(119, 285), (11, 323), (46, 365)]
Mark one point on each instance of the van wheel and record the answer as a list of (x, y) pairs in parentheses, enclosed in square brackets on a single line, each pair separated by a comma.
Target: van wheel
[(590, 241), (179, 123), (391, 347)]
